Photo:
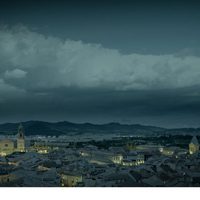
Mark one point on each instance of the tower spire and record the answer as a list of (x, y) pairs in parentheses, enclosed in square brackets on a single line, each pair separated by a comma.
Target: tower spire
[(20, 131), (20, 139)]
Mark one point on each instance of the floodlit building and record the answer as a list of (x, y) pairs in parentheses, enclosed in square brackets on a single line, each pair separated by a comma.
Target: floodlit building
[(194, 146), (71, 179), (101, 157), (133, 160), (168, 151), (8, 146)]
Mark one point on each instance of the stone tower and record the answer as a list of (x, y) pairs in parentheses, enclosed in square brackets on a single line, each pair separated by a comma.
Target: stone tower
[(20, 139), (194, 146)]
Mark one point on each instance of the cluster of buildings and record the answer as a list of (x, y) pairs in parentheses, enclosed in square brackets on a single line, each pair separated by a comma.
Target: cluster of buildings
[(51, 162), (8, 146)]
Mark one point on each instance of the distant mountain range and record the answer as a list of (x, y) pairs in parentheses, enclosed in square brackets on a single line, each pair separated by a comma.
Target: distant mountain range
[(65, 127)]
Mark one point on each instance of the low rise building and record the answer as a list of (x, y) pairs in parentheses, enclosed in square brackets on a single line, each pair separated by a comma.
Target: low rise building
[(71, 179)]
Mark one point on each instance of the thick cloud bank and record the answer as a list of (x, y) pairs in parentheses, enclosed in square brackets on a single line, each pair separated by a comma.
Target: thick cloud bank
[(31, 61), (48, 78)]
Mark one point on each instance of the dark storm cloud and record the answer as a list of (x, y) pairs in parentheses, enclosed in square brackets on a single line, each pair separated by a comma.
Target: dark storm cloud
[(32, 61), (178, 107), (150, 27), (72, 63), (53, 79)]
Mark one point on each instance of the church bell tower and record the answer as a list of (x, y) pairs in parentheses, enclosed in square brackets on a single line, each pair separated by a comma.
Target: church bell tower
[(20, 139)]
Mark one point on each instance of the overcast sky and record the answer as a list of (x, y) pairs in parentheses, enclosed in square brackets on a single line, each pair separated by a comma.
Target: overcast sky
[(100, 61)]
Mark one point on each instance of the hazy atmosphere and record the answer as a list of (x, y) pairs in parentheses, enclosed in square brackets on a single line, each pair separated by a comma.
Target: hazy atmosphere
[(100, 61)]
